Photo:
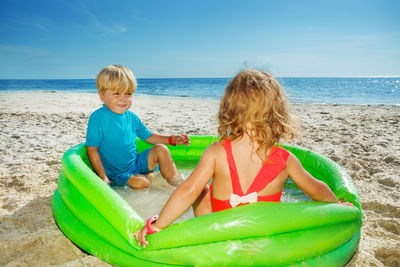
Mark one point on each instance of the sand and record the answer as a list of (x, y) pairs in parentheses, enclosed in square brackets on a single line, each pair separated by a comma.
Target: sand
[(36, 128)]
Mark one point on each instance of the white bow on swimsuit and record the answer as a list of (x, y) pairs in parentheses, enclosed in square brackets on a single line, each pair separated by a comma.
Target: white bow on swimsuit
[(249, 198)]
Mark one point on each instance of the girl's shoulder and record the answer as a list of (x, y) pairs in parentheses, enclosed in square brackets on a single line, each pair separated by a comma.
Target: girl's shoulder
[(215, 147), (278, 154), (213, 150), (281, 150), (292, 161)]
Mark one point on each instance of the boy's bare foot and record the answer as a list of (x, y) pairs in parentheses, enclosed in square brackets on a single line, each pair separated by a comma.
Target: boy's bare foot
[(138, 181)]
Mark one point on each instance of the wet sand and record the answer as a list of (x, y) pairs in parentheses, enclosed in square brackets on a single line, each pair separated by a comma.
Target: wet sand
[(38, 127)]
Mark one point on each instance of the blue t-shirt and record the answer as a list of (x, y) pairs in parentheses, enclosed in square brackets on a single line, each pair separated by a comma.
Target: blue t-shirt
[(115, 136)]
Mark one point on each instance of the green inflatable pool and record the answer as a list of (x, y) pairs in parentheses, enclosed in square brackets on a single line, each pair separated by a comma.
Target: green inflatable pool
[(100, 222)]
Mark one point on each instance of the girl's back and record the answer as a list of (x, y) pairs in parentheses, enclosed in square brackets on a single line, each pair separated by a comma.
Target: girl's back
[(248, 165)]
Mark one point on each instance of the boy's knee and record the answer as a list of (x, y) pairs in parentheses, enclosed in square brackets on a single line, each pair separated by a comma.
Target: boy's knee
[(158, 153), (138, 182), (160, 148)]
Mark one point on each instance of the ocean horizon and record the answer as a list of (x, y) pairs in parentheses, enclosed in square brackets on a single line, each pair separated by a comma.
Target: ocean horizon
[(324, 90)]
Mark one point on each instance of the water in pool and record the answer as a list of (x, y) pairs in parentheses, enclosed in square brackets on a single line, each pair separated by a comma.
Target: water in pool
[(150, 201)]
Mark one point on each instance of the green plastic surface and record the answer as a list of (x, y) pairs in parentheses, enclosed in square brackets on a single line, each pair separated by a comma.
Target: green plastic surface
[(100, 222)]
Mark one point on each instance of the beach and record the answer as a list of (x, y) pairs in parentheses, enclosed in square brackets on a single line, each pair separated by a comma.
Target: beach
[(38, 127)]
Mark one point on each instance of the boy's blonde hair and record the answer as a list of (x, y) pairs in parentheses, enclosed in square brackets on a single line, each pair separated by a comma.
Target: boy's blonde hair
[(116, 78), (255, 104)]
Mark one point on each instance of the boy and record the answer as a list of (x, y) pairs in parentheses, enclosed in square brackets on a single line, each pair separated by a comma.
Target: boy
[(112, 131)]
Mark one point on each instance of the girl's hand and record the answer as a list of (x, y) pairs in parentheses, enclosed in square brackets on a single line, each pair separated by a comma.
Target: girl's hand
[(182, 140), (346, 203), (140, 236)]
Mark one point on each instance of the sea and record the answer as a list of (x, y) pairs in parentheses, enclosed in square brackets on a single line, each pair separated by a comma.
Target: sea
[(362, 91)]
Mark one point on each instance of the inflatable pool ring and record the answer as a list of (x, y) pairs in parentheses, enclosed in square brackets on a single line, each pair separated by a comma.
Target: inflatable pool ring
[(99, 221)]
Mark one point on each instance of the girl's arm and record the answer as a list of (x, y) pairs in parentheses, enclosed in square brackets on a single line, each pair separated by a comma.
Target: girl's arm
[(95, 160), (162, 139), (314, 188), (184, 196)]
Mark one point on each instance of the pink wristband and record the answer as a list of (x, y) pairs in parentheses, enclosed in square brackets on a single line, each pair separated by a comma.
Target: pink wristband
[(149, 222)]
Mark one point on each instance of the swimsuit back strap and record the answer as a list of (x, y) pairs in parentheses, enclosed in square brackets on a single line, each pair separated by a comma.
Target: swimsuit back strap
[(272, 167), (236, 188)]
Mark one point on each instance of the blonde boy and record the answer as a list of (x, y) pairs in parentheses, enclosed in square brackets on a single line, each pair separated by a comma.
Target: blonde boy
[(112, 131)]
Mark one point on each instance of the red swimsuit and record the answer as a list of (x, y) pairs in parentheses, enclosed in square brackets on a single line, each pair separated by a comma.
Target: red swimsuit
[(271, 168)]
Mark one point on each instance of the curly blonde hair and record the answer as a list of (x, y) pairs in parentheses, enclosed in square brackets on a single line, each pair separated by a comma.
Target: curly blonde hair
[(255, 104), (116, 78)]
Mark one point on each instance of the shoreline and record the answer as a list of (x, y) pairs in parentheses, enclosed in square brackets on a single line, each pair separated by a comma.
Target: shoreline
[(38, 127), (136, 94)]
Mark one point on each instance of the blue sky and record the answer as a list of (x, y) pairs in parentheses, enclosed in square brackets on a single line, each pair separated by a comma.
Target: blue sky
[(208, 38)]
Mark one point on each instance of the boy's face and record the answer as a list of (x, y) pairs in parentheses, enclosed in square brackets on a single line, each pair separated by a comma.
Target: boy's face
[(117, 102)]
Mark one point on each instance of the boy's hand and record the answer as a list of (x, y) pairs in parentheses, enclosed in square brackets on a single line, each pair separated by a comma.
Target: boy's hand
[(182, 140)]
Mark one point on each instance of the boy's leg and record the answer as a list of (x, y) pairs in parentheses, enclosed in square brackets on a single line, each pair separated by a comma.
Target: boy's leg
[(202, 205), (159, 154), (138, 181)]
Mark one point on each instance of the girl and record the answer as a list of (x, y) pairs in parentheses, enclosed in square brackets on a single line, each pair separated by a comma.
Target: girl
[(245, 165)]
